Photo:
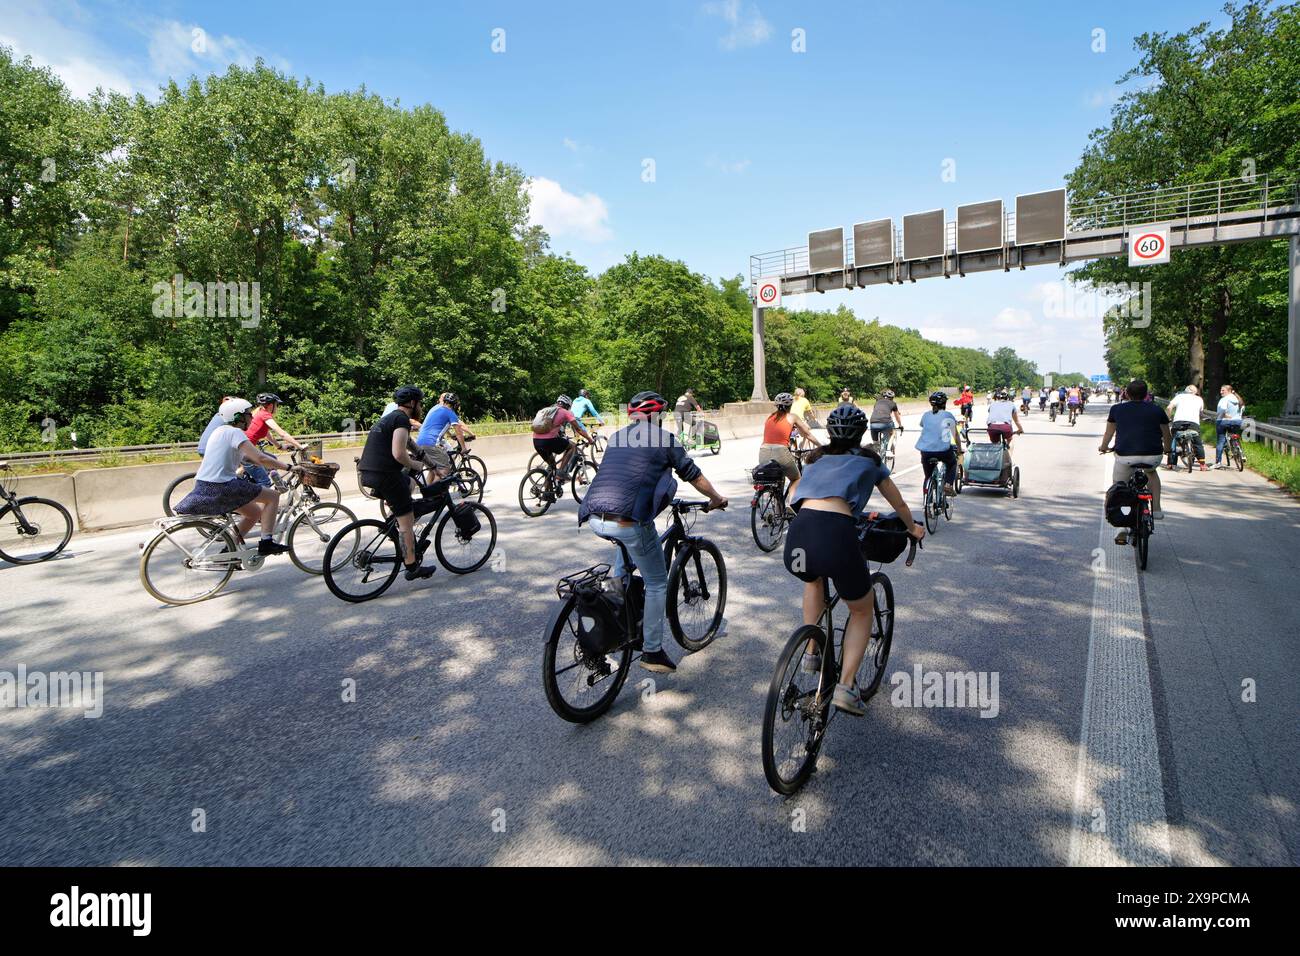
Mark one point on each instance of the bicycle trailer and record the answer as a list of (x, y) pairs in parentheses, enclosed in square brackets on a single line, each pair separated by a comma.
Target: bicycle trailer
[(989, 464)]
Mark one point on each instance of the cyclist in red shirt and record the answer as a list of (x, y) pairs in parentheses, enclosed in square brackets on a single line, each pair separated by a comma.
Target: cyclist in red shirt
[(259, 430), (966, 402)]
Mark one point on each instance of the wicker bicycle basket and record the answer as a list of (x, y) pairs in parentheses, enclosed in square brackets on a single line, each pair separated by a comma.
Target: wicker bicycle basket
[(319, 476)]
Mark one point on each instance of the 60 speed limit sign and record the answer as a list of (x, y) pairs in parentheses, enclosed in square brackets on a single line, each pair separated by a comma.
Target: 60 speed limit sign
[(1148, 246), (769, 293)]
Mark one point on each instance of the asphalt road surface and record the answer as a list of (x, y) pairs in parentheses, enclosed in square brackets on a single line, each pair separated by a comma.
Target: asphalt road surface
[(1136, 721)]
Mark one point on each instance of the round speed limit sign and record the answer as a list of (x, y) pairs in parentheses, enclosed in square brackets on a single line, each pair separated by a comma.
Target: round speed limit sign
[(769, 293), (1148, 247)]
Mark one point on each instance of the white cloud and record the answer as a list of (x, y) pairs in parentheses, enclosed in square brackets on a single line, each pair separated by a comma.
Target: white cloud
[(79, 60), (952, 334), (570, 144), (1100, 99), (562, 213), (177, 50), (748, 26), (1013, 320)]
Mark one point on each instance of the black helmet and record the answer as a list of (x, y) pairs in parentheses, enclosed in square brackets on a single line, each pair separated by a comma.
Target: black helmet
[(1000, 393), (266, 398), (564, 401), (846, 423), (646, 403), (450, 399), (784, 400), (407, 394), (939, 399)]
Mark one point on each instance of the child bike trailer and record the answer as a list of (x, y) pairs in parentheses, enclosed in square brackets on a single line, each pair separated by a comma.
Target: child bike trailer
[(989, 465)]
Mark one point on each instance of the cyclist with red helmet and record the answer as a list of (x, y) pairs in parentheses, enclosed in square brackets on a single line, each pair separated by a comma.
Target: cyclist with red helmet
[(635, 484)]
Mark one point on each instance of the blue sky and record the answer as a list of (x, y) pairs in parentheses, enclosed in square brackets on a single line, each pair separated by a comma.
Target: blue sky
[(753, 143)]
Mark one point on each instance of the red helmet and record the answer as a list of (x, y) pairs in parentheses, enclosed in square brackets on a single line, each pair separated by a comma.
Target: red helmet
[(646, 403)]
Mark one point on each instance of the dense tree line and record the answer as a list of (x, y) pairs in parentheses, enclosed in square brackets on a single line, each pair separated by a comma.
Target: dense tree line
[(249, 232), (1209, 105)]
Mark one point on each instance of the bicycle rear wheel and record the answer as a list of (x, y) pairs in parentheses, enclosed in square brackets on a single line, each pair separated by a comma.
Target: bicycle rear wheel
[(1143, 541), (33, 530), (374, 556), (931, 507), (468, 485), (311, 533), (476, 465), (459, 554), (872, 668), (1237, 457), (579, 686), (584, 473), (697, 594), (177, 490), (535, 495), (189, 562), (795, 717), (767, 519)]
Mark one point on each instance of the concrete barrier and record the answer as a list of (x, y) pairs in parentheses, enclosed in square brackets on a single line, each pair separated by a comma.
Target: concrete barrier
[(60, 488), (125, 496)]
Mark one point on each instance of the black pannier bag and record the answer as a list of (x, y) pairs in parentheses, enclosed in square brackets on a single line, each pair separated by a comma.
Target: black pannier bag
[(1121, 505), (466, 518), (769, 473), (600, 618), (877, 541)]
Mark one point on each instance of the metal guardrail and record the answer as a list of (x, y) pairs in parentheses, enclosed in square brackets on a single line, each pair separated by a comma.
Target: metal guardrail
[(1171, 204)]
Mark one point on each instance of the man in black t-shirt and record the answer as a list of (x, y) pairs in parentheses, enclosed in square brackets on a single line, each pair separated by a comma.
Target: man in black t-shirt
[(883, 416), (383, 465), (1141, 432)]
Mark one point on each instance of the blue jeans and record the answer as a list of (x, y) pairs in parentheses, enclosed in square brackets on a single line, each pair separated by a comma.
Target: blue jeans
[(258, 474), (1221, 428), (642, 543)]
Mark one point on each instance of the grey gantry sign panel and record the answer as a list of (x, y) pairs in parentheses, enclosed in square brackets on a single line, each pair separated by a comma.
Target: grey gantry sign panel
[(923, 235), (873, 243), (979, 226), (826, 250), (1040, 217)]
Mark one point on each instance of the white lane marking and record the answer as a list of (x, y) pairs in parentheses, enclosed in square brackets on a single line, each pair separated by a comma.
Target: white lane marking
[(1120, 818)]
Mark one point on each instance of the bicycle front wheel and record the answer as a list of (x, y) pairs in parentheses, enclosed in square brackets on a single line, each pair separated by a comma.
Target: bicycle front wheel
[(362, 560), (579, 686), (535, 496), (468, 485), (767, 519), (872, 668), (311, 533), (188, 562), (584, 473), (462, 555), (697, 594), (33, 530), (476, 465), (795, 716)]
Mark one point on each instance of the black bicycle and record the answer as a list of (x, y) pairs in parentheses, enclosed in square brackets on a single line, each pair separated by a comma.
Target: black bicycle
[(768, 512), (32, 529), (798, 710), (541, 487), (1144, 522), (1185, 447), (460, 460), (937, 501), (362, 560), (1232, 447), (597, 629)]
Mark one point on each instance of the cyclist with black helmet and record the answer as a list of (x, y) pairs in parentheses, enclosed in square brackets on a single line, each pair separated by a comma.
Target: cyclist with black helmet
[(444, 418), (776, 438), (549, 442), (384, 465), (584, 407), (884, 415), (939, 435), (259, 431), (838, 479), (633, 486)]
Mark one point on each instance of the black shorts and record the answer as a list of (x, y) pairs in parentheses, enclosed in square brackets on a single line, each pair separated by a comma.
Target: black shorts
[(393, 487), (824, 544), (551, 446)]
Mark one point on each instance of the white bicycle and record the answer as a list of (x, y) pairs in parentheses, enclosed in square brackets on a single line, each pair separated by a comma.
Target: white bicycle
[(194, 556)]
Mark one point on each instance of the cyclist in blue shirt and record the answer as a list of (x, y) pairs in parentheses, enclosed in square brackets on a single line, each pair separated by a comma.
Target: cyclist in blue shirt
[(436, 424), (938, 436), (1228, 418), (213, 424), (583, 406)]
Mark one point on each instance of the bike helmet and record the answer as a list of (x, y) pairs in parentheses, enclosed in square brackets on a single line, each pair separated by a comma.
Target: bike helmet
[(887, 393), (232, 408), (646, 403), (1000, 394), (266, 398), (846, 423), (939, 399), (784, 400), (451, 399), (584, 393), (407, 394), (564, 401)]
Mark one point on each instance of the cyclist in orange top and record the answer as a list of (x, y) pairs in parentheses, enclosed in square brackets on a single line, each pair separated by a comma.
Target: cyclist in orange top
[(966, 402), (776, 439)]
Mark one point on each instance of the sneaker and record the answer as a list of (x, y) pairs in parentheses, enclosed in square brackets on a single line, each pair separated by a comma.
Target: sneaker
[(811, 663), (849, 700), (658, 661), (268, 547), (420, 571), (1157, 514), (1121, 538)]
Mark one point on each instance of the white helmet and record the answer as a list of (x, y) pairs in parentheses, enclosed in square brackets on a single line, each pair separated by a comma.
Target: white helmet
[(232, 408)]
